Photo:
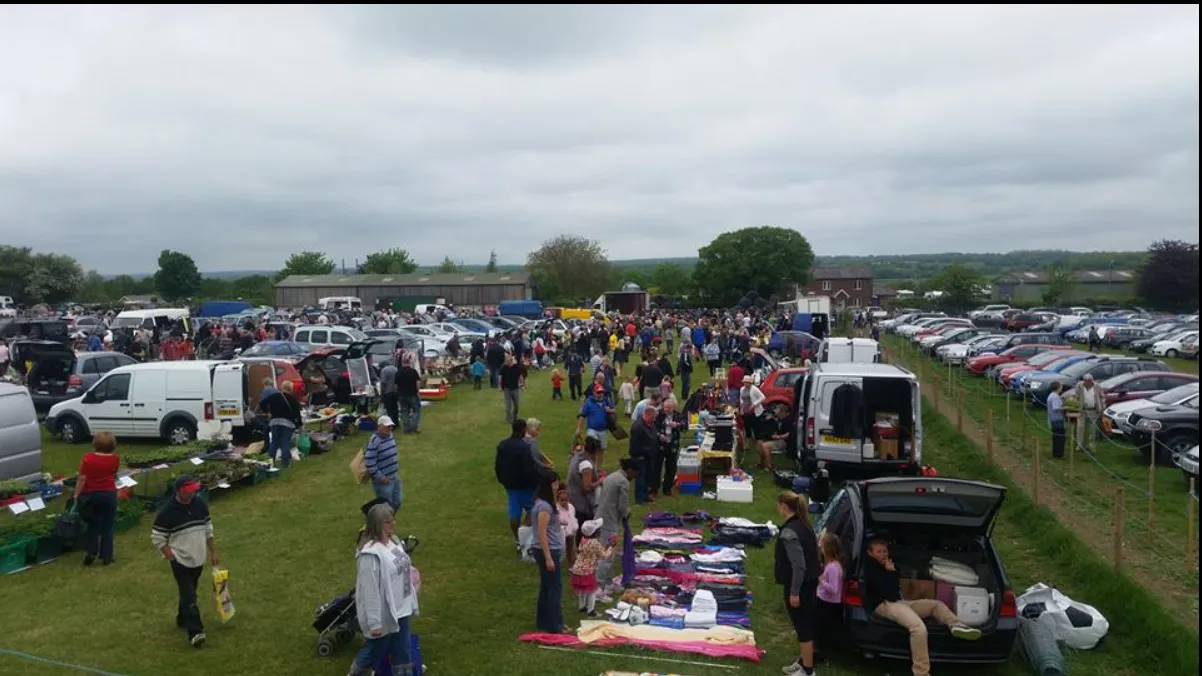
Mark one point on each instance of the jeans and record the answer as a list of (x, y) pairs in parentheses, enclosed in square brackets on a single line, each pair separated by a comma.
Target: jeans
[(670, 455), (511, 405), (99, 511), (477, 382), (395, 645), (685, 377), (642, 487), (1058, 436), (411, 413), (390, 491), (493, 376), (187, 617), (391, 405), (1091, 429), (281, 443), (549, 614)]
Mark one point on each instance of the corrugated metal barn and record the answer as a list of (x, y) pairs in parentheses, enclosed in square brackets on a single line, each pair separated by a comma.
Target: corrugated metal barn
[(468, 289)]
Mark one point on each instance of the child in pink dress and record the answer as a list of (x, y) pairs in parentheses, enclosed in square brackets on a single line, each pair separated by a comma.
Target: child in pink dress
[(584, 571), (567, 519)]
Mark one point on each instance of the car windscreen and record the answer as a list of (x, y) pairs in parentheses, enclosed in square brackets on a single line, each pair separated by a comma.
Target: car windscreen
[(933, 505), (1175, 395), (1079, 369)]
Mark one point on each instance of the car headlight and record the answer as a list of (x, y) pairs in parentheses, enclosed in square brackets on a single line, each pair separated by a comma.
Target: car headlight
[(1147, 425), (1035, 385)]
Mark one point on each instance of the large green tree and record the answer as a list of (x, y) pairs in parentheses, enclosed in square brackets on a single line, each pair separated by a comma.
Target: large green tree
[(763, 259), (177, 277), (53, 279), (961, 287), (1168, 280), (671, 279), (389, 262), (16, 262), (492, 261), (569, 268), (1060, 286), (307, 263)]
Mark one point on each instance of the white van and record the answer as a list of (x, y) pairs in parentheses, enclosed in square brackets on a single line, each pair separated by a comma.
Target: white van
[(20, 436), (327, 335), (146, 319), (849, 351), (839, 408), (340, 303), (8, 308), (172, 400), (433, 308)]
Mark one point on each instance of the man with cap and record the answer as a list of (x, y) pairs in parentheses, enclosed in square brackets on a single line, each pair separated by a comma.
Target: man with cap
[(593, 419), (380, 459), (1093, 403), (183, 534)]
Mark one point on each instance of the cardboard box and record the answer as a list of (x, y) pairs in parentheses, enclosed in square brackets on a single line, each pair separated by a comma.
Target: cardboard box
[(916, 590), (887, 449)]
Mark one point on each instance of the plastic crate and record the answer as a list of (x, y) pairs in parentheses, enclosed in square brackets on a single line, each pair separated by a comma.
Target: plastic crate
[(12, 556), (693, 478), (45, 549), (690, 488)]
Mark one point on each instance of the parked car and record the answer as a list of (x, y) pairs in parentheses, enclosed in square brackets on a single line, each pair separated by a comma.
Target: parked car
[(287, 349), (793, 345), (1039, 362), (981, 364), (921, 518), (779, 386), (322, 335), (1018, 381), (1142, 384), (1023, 321), (1173, 347), (1122, 336), (1172, 429), (1116, 415), (1016, 339), (1188, 462), (1101, 367), (958, 353), (951, 336), (57, 373)]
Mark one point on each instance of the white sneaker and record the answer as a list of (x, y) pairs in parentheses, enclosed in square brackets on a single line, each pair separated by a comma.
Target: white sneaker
[(965, 632), (791, 669), (197, 640)]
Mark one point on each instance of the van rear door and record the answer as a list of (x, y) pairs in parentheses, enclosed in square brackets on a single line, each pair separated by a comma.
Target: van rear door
[(229, 394), (828, 446)]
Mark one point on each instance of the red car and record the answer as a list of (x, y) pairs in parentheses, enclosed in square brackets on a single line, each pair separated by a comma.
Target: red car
[(778, 387), (1040, 362), (1142, 384), (1022, 322), (981, 364)]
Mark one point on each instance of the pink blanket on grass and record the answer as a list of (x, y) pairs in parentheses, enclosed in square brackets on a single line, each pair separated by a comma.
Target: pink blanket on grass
[(746, 652)]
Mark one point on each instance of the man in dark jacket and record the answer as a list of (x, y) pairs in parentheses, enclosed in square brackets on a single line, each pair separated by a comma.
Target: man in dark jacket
[(494, 359), (575, 366), (650, 379), (684, 366), (645, 443), (882, 594), (517, 472)]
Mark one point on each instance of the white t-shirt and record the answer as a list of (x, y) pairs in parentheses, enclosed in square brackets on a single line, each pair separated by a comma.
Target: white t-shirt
[(3, 354), (1088, 397)]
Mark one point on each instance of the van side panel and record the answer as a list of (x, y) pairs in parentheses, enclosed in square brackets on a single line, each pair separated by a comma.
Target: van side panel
[(147, 395), (20, 436)]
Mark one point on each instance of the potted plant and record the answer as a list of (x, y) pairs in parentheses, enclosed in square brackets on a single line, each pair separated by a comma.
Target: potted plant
[(13, 491), (129, 515)]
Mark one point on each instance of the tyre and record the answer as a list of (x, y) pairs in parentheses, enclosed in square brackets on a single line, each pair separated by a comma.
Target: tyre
[(179, 432), (325, 647), (1172, 354), (344, 635), (1176, 445), (72, 431)]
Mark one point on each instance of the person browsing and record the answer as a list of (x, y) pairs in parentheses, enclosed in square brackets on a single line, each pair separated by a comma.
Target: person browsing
[(96, 494), (380, 459), (593, 419)]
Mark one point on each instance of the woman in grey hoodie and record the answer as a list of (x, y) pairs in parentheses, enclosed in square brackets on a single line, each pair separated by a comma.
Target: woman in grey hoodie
[(385, 598)]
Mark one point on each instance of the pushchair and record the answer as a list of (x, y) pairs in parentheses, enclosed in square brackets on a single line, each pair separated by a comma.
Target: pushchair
[(337, 622)]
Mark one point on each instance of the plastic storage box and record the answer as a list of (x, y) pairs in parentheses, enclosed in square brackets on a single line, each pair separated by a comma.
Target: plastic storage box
[(972, 605), (690, 488), (730, 490)]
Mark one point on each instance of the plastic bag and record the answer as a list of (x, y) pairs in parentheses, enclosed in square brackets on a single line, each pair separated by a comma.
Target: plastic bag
[(526, 543), (221, 592), (1055, 610)]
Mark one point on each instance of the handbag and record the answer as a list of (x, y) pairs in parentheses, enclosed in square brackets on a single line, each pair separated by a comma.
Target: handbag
[(359, 466), (67, 525), (611, 420)]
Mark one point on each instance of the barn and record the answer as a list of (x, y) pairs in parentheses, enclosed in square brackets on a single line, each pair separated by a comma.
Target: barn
[(461, 289)]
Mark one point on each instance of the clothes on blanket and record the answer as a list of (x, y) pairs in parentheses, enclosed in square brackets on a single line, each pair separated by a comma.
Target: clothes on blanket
[(699, 517), (703, 612), (721, 555), (592, 631), (756, 536), (710, 648), (663, 519), (670, 536)]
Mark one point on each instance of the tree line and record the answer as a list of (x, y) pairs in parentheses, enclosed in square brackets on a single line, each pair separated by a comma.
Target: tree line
[(574, 270)]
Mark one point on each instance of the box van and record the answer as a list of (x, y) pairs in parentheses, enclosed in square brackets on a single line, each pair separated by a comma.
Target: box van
[(849, 351), (863, 415), (172, 400), (531, 309), (327, 335), (431, 308), (340, 303), (20, 437), (147, 319)]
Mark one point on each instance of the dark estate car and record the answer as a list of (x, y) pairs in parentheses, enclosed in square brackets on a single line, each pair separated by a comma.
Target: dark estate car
[(1174, 429), (921, 518), (58, 373), (1039, 385)]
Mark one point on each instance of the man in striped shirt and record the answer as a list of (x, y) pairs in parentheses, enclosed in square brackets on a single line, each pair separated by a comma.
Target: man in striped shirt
[(183, 534), (380, 458)]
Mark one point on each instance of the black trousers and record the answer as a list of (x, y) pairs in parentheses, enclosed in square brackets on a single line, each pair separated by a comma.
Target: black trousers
[(575, 387), (669, 455), (1058, 437), (655, 469), (391, 406), (187, 617), (685, 377)]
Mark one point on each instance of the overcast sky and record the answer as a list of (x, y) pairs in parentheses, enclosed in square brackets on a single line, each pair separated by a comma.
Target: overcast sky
[(240, 134)]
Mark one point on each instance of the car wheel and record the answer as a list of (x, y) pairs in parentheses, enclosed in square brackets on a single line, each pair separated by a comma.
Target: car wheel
[(180, 432), (1172, 354), (1176, 445), (71, 430)]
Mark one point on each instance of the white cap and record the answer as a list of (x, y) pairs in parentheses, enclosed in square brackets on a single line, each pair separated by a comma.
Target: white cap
[(385, 421)]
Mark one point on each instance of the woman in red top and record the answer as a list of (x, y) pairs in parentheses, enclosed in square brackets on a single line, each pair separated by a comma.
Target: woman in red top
[(96, 495)]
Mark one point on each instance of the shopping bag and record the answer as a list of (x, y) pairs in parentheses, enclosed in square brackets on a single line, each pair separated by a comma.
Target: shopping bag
[(221, 592), (359, 467), (526, 543), (67, 526)]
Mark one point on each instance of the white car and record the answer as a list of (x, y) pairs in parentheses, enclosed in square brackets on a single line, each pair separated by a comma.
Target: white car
[(988, 309), (957, 353), (426, 331), (1188, 462), (1173, 348), (1117, 414)]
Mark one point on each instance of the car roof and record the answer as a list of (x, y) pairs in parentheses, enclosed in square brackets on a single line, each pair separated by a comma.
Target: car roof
[(862, 370)]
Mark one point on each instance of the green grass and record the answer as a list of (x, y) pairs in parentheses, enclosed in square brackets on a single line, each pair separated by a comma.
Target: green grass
[(288, 545)]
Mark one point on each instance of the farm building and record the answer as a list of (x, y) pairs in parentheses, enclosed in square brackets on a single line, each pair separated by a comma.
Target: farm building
[(1030, 286), (461, 289)]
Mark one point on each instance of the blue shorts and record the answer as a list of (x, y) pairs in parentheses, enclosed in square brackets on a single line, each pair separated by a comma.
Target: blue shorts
[(518, 501)]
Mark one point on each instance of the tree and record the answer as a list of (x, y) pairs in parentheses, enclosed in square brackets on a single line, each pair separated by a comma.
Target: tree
[(1060, 286), (53, 279), (1168, 279), (960, 285), (449, 266), (671, 279), (762, 259), (388, 262), (306, 263), (95, 288), (569, 267), (492, 261), (177, 277)]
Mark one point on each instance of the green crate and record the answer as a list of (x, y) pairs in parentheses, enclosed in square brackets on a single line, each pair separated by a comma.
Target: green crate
[(127, 523), (44, 549), (13, 555)]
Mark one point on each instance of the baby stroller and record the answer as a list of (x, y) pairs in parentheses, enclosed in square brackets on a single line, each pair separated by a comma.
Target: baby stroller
[(336, 622)]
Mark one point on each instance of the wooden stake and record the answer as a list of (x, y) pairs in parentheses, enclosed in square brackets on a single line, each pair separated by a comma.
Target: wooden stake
[(1152, 483), (989, 434), (1022, 438), (1191, 542), (1036, 451), (1119, 514)]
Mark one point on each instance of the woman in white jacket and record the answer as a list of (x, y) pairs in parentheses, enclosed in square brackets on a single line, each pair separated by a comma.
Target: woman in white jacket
[(385, 598)]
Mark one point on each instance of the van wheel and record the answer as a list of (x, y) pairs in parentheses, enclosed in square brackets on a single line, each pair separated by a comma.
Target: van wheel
[(71, 430), (180, 432)]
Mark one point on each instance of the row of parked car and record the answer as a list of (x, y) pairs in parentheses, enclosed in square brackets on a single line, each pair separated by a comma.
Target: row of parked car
[(1146, 401)]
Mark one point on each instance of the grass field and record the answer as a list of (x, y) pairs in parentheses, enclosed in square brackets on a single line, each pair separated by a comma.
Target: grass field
[(289, 546)]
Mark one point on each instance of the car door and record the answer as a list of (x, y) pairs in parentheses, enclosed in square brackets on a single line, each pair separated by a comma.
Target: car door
[(831, 447), (106, 405), (1140, 387), (148, 397), (319, 337)]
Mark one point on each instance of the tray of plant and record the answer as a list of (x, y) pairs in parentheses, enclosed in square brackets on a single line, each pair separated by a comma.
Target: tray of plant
[(216, 473), (27, 539), (129, 515), (13, 491)]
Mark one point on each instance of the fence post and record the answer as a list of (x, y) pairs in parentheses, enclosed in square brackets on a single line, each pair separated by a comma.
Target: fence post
[(1191, 543), (989, 434), (1118, 529), (1007, 413), (1152, 482), (1036, 455), (1022, 436)]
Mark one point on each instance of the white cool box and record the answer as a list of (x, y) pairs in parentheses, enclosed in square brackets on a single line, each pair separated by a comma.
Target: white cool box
[(972, 605), (730, 490)]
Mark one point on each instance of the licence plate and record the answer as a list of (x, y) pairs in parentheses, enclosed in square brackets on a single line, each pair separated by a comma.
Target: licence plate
[(227, 412), (1107, 427), (828, 439)]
